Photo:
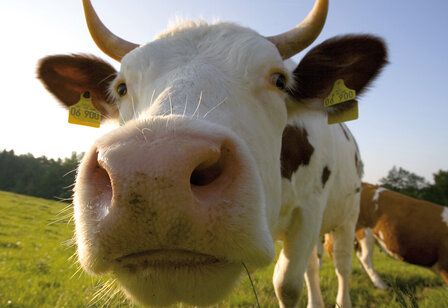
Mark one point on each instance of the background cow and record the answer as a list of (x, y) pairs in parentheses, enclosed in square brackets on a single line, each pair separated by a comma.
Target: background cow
[(408, 229), (197, 181)]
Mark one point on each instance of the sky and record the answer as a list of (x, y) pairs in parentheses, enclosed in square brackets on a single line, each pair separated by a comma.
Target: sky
[(403, 118)]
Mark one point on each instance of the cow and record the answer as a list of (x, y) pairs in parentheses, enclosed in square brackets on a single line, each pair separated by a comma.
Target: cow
[(219, 150), (408, 229), (364, 242)]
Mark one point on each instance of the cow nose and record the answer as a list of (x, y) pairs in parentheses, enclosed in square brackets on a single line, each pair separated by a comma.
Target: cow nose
[(198, 168)]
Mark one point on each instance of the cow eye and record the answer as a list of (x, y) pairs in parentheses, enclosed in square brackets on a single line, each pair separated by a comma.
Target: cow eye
[(122, 89), (278, 80)]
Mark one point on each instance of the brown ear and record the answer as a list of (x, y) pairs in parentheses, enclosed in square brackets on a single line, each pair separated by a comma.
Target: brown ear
[(357, 59), (69, 76)]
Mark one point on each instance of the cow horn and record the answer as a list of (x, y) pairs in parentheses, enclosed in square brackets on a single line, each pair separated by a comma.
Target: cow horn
[(295, 40), (108, 42)]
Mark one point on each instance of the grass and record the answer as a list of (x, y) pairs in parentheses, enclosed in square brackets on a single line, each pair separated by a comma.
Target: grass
[(36, 269)]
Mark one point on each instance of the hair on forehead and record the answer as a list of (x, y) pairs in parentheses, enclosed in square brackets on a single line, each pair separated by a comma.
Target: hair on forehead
[(200, 28)]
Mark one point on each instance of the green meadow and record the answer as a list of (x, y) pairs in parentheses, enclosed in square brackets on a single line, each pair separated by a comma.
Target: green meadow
[(38, 269)]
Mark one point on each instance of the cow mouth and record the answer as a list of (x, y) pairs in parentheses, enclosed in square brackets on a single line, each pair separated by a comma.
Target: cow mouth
[(163, 277), (167, 259)]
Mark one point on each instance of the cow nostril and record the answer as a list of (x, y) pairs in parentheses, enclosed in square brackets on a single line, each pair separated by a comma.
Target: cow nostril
[(101, 181), (206, 173)]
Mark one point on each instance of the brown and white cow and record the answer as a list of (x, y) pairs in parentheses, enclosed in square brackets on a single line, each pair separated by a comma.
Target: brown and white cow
[(197, 181), (411, 230)]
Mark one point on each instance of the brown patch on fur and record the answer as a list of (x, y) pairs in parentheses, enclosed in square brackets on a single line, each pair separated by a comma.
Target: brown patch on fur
[(412, 229), (68, 76), (296, 150), (325, 175)]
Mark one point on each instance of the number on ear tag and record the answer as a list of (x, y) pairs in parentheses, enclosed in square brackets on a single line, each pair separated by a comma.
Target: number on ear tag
[(339, 94), (84, 113)]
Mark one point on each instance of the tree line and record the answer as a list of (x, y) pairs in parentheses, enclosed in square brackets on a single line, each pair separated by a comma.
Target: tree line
[(411, 184), (38, 176), (53, 179)]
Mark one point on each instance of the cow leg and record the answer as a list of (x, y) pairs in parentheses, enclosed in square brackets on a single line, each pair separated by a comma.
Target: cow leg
[(343, 238), (298, 242), (365, 256), (312, 281)]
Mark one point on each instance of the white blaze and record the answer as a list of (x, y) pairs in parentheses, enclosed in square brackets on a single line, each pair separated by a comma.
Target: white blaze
[(445, 216), (376, 196)]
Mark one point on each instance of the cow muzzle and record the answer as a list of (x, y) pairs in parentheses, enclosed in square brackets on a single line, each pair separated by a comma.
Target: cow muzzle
[(157, 201)]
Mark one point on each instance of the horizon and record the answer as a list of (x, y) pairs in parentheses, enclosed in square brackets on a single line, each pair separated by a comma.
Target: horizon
[(429, 181), (402, 117)]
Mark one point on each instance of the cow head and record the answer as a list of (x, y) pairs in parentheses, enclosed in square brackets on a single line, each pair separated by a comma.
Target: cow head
[(187, 189)]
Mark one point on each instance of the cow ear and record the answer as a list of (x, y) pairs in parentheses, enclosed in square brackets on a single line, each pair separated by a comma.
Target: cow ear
[(69, 76), (356, 59)]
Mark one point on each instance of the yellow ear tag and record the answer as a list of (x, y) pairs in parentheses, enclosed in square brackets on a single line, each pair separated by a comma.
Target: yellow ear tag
[(84, 113), (345, 115), (345, 98), (339, 94)]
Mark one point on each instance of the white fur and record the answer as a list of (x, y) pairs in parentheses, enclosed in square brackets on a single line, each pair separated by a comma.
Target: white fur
[(376, 195), (445, 215), (365, 256), (310, 209), (215, 79), (199, 79)]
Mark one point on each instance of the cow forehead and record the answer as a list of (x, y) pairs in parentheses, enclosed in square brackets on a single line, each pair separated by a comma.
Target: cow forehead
[(230, 48)]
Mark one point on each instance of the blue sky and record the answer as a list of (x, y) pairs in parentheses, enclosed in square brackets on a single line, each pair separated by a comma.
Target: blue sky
[(403, 118)]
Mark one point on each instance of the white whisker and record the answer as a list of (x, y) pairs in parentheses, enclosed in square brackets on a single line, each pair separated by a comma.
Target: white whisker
[(152, 98), (133, 107), (199, 104), (143, 134), (107, 77), (185, 107), (219, 104), (171, 104), (119, 113), (74, 170)]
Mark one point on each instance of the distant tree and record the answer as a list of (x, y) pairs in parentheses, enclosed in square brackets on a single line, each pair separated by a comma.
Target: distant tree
[(41, 177), (411, 184), (405, 182), (7, 166), (441, 183), (437, 192), (68, 174)]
